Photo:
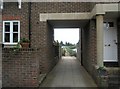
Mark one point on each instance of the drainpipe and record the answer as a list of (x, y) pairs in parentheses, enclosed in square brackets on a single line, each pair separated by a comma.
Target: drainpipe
[(29, 12)]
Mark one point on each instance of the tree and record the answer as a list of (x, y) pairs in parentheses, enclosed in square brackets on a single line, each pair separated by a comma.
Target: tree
[(61, 43)]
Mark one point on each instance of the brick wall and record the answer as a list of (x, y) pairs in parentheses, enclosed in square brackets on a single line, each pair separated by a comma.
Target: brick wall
[(48, 53), (89, 46), (89, 58), (109, 78), (61, 7), (42, 32), (42, 38), (39, 28), (12, 12), (20, 68), (113, 76)]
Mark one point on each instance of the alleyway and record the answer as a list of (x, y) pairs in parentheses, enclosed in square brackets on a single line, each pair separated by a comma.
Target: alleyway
[(68, 73)]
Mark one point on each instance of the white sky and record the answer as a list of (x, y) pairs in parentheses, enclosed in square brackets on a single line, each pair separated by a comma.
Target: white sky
[(66, 35)]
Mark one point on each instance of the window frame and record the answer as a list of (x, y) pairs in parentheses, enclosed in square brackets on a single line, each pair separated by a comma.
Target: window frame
[(106, 24), (11, 32)]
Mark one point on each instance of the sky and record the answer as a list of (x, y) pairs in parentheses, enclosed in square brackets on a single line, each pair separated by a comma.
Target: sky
[(66, 35)]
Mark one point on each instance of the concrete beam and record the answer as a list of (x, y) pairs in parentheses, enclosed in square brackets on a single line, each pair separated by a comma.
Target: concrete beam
[(63, 16)]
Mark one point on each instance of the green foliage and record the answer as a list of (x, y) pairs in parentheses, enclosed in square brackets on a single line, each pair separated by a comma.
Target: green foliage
[(102, 71), (24, 40), (101, 68), (73, 53), (69, 44), (72, 47), (63, 51), (17, 47), (56, 43), (61, 43), (66, 44), (69, 49)]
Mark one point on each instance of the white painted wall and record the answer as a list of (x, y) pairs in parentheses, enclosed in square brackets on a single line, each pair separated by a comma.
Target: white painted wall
[(110, 38)]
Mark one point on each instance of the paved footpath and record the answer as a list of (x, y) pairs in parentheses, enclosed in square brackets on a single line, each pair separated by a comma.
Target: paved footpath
[(68, 73)]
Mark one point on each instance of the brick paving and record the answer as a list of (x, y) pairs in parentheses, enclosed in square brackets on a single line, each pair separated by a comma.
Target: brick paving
[(68, 73)]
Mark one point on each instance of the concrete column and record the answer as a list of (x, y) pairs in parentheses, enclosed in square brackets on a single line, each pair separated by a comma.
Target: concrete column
[(100, 40), (0, 26)]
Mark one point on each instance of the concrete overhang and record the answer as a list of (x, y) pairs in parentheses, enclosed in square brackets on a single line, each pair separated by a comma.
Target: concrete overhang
[(110, 10), (64, 16), (98, 9), (58, 20), (103, 8)]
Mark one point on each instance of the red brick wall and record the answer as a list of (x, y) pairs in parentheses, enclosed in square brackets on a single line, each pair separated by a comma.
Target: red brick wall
[(20, 68), (89, 46), (42, 32), (41, 38), (89, 57), (12, 12), (39, 28), (61, 7)]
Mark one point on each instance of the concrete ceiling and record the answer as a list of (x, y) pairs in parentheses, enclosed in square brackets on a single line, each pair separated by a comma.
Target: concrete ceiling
[(68, 23)]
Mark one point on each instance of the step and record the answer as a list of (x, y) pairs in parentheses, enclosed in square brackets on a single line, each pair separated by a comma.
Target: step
[(114, 80)]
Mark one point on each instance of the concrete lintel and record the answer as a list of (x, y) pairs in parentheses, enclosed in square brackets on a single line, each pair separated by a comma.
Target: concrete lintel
[(63, 16)]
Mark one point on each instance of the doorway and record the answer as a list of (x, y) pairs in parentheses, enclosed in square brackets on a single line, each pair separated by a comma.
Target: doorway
[(110, 43)]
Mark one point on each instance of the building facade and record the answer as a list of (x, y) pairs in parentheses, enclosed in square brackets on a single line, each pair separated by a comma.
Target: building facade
[(99, 24)]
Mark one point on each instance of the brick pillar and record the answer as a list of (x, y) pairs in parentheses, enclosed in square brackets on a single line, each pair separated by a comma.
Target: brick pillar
[(100, 39)]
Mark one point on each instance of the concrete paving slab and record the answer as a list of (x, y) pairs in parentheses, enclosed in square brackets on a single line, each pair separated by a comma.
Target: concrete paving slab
[(68, 73)]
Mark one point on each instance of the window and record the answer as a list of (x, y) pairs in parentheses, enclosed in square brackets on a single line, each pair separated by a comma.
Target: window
[(11, 32), (111, 24), (105, 24), (108, 24)]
